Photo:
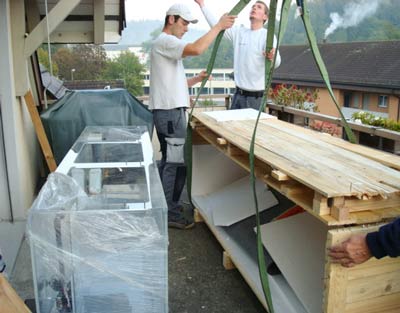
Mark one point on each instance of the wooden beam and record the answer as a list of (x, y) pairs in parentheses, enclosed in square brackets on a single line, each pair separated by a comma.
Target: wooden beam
[(57, 15), (280, 176), (32, 14), (99, 22), (227, 261), (37, 123), (9, 299), (197, 216), (221, 141), (17, 18)]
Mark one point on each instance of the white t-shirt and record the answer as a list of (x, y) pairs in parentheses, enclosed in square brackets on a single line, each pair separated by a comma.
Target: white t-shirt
[(168, 83), (248, 60)]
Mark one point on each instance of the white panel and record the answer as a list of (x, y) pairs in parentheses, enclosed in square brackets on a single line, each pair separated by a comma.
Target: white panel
[(11, 235), (297, 245), (237, 115), (212, 170), (4, 195), (235, 202)]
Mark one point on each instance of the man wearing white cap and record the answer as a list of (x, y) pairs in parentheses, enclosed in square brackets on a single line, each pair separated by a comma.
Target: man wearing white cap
[(169, 98)]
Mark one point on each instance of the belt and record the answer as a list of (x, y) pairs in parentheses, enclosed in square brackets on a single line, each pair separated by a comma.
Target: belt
[(247, 93)]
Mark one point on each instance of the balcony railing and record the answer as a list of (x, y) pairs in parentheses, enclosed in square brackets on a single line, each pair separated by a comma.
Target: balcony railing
[(371, 136)]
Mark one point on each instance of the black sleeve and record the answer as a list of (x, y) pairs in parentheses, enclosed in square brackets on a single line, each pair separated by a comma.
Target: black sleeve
[(386, 241)]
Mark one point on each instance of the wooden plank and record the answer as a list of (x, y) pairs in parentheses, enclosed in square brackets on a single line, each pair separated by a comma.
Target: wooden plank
[(197, 216), (278, 175), (320, 205), (382, 157), (227, 261), (336, 276), (338, 210), (378, 202), (37, 123), (221, 141), (389, 303), (10, 302), (374, 286)]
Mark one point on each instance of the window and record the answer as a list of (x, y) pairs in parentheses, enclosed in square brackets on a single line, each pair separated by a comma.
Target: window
[(365, 101), (347, 99), (354, 101), (383, 101), (218, 76), (219, 91)]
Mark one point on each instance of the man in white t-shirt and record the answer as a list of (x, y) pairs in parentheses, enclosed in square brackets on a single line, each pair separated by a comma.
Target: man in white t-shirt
[(249, 55), (169, 98)]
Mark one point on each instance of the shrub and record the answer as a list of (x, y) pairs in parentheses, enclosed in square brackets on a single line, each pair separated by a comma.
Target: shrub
[(368, 118), (294, 97)]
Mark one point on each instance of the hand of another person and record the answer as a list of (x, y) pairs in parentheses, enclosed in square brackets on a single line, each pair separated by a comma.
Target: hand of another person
[(270, 55), (226, 21), (351, 252), (203, 74)]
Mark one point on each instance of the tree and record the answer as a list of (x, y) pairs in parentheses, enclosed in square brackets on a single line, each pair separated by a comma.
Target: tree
[(224, 57), (65, 62), (127, 67), (43, 57), (89, 61)]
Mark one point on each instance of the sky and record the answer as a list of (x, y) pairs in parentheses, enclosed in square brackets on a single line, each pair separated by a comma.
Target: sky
[(155, 10)]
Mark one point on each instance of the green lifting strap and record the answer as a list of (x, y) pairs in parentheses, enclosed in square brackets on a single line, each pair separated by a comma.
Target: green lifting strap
[(269, 68), (321, 65), (188, 146)]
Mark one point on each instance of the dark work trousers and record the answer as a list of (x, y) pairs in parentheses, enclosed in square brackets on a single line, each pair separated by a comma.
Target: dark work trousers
[(245, 102), (171, 131)]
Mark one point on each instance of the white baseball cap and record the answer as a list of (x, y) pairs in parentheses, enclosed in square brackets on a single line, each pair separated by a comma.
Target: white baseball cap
[(183, 11)]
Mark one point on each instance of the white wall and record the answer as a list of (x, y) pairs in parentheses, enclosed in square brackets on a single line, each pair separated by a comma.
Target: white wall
[(19, 136)]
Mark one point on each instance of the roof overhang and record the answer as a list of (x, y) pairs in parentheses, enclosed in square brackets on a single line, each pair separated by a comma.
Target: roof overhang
[(76, 21)]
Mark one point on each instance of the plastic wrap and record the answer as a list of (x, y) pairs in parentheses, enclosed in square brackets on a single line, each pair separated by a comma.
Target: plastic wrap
[(101, 251)]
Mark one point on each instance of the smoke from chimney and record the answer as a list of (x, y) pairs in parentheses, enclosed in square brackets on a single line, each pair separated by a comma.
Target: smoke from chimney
[(353, 14)]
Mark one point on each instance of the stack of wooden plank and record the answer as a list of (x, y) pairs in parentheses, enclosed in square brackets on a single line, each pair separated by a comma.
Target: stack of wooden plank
[(339, 182)]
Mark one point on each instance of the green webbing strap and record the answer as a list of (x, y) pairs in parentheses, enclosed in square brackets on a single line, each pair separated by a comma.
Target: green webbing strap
[(188, 146), (235, 11), (269, 68), (321, 65)]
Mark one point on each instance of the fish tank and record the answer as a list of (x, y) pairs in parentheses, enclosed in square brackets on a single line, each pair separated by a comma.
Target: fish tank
[(98, 228)]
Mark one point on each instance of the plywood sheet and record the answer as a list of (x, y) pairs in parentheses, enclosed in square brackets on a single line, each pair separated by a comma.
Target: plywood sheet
[(297, 245), (235, 202), (237, 115)]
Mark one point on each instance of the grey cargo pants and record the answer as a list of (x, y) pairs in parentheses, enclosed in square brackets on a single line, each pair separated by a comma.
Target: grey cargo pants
[(171, 132)]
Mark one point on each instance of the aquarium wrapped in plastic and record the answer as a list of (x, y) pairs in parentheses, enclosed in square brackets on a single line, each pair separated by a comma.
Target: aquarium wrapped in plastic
[(98, 228)]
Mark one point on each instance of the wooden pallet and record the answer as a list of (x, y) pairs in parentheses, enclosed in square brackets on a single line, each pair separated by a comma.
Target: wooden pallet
[(339, 182), (372, 287), (10, 302)]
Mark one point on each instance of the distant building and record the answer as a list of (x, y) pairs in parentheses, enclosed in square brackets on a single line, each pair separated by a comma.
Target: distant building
[(221, 83), (364, 76)]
